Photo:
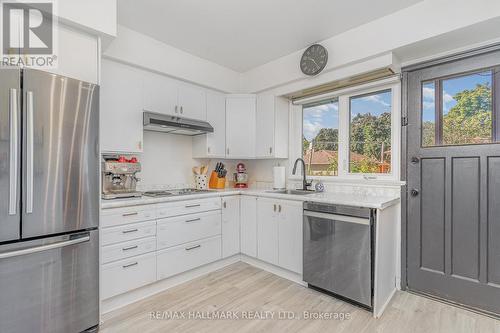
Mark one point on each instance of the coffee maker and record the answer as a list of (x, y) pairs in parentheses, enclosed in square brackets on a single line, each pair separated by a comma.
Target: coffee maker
[(119, 177)]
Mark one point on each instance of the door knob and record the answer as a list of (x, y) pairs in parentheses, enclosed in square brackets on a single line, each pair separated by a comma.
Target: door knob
[(414, 192), (415, 160)]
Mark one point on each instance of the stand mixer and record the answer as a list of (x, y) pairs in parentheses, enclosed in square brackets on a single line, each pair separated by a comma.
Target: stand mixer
[(241, 176)]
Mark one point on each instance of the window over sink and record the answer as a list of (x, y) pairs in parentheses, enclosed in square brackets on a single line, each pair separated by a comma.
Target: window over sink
[(352, 134)]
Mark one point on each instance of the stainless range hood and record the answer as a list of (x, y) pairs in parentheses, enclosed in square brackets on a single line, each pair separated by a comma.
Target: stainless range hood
[(175, 125)]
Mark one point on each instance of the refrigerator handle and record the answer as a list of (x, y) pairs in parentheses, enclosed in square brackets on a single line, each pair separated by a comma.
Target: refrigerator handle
[(14, 144), (77, 240), (29, 152)]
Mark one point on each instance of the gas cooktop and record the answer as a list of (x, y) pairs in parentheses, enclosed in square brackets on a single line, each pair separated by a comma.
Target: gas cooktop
[(165, 193)]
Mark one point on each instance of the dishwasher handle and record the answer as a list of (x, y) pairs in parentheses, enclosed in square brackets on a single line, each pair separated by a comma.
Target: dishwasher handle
[(336, 217)]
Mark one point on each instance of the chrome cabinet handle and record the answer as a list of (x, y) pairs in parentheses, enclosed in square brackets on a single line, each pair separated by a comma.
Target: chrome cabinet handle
[(130, 248), (130, 214), (224, 204), (274, 207), (270, 150), (182, 111), (192, 206), (29, 152), (129, 231), (279, 211), (192, 247), (13, 115), (130, 265), (193, 220)]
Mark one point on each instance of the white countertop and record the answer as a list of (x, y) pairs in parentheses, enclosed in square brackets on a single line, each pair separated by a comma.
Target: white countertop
[(349, 199)]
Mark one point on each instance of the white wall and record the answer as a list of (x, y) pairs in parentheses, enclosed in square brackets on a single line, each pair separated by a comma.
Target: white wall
[(410, 26), (140, 50), (95, 15)]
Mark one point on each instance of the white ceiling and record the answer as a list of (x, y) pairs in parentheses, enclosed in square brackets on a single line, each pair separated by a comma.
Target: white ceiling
[(243, 34)]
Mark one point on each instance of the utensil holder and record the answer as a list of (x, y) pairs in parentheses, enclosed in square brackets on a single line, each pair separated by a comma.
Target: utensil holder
[(201, 182), (216, 182)]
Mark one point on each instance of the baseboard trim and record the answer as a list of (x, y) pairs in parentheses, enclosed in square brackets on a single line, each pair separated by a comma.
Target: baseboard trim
[(286, 274)]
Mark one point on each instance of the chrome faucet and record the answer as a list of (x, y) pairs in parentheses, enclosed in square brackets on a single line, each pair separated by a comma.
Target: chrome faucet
[(305, 183)]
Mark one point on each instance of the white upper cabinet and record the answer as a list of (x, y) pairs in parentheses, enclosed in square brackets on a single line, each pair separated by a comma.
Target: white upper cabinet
[(240, 126), (192, 102), (213, 145), (160, 94), (121, 108), (272, 127), (230, 226), (168, 96)]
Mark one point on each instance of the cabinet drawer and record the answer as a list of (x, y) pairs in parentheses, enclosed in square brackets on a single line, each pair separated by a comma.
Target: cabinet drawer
[(124, 275), (128, 249), (182, 258), (188, 207), (118, 216), (127, 232), (187, 228)]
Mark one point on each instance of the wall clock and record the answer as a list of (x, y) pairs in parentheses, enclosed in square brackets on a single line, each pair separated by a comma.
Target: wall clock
[(313, 60)]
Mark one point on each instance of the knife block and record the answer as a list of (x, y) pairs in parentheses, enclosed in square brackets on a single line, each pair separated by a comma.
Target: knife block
[(216, 182)]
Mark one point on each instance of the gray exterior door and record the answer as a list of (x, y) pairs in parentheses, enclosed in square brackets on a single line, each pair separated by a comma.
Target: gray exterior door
[(453, 231)]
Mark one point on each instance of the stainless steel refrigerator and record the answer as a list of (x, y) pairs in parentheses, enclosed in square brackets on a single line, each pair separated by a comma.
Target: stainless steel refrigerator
[(49, 203)]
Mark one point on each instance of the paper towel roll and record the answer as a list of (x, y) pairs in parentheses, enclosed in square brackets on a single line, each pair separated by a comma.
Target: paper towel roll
[(279, 178)]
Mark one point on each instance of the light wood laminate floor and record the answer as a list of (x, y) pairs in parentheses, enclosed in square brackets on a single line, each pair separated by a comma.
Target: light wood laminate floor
[(242, 289)]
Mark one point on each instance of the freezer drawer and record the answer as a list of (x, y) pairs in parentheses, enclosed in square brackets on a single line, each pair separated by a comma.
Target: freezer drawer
[(50, 285), (337, 255)]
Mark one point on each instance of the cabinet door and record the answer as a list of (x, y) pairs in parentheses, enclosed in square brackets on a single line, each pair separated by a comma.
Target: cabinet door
[(213, 144), (230, 226), (121, 108), (267, 231), (290, 222), (240, 127), (248, 222), (265, 116), (160, 94), (192, 102)]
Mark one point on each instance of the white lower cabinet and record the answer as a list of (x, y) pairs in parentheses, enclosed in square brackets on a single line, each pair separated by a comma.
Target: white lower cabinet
[(127, 232), (187, 228), (124, 275), (184, 257), (290, 221), (230, 226), (279, 233), (128, 249), (248, 225), (267, 231)]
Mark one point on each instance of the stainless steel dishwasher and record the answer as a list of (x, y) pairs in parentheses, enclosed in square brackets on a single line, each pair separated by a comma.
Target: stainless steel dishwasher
[(338, 251)]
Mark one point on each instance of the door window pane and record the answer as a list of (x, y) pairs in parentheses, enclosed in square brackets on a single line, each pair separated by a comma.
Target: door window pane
[(370, 133), (428, 114), (320, 129), (466, 105), (465, 110)]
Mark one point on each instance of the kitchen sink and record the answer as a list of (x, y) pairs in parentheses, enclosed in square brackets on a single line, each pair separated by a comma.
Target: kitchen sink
[(295, 192)]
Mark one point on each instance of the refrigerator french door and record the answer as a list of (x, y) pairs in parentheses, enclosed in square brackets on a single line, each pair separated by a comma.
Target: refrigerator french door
[(49, 197)]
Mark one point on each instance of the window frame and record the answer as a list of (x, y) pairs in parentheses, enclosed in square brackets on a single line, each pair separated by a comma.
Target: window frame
[(344, 96)]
